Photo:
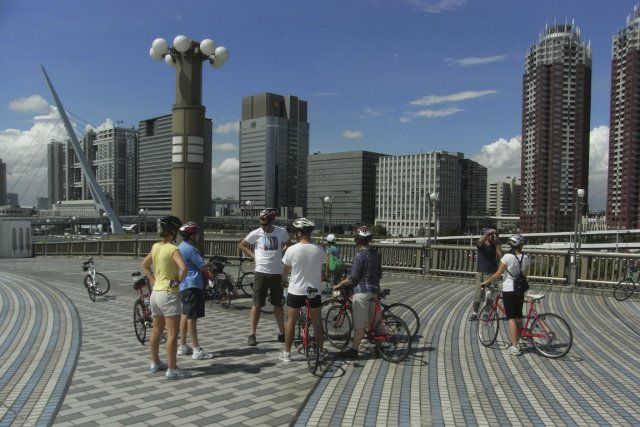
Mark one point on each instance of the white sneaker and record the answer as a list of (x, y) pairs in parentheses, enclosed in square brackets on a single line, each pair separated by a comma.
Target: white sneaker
[(473, 316), (201, 354), (285, 357), (514, 351), (176, 374), (183, 350), (153, 368)]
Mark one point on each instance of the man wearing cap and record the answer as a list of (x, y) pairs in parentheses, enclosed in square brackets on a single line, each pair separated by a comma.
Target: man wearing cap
[(489, 253)]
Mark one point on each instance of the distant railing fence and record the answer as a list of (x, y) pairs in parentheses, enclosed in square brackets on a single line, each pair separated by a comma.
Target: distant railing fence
[(551, 267)]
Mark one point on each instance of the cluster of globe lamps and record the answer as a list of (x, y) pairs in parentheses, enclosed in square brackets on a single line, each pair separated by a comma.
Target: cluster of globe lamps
[(160, 49)]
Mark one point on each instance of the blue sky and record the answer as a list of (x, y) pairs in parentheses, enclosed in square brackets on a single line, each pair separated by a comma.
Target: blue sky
[(392, 76)]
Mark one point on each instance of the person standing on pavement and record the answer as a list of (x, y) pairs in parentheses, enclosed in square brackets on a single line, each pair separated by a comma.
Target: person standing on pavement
[(169, 270), (191, 293), (489, 252), (270, 241), (512, 264), (365, 274), (304, 260), (334, 266)]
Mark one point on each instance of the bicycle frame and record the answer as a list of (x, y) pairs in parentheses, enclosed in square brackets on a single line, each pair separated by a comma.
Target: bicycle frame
[(532, 315)]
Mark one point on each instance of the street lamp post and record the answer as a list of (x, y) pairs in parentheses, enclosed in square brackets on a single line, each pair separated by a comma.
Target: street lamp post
[(327, 200), (188, 120), (142, 213), (433, 197), (249, 204), (575, 265), (105, 216), (73, 226)]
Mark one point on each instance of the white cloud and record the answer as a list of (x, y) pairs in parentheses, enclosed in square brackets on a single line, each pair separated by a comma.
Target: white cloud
[(353, 134), (472, 60), (502, 159), (431, 114), (225, 178), (30, 104), (460, 96), (230, 127), (225, 146), (436, 6)]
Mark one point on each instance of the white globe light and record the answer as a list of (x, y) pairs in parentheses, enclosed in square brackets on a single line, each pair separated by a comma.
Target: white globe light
[(221, 54), (182, 43), (155, 55), (160, 46), (207, 47), (327, 199), (215, 62), (248, 203), (169, 60)]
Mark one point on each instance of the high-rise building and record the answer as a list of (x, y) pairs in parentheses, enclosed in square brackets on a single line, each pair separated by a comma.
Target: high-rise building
[(274, 146), (55, 171), (503, 198), (405, 184), (341, 190), (555, 129), (3, 183), (623, 185), (473, 190), (154, 165), (13, 200)]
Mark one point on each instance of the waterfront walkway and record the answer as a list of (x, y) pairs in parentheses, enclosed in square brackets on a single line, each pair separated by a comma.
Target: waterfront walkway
[(67, 361)]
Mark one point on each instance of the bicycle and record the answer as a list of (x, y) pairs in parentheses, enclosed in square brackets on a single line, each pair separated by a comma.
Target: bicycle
[(402, 310), (142, 317), (218, 287), (244, 280), (390, 333), (306, 333), (549, 333), (627, 286), (95, 283)]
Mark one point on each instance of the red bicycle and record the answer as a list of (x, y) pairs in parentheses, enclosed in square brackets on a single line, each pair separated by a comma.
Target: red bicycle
[(307, 335), (142, 317), (550, 334)]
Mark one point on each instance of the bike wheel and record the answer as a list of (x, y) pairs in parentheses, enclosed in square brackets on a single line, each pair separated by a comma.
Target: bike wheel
[(338, 326), (102, 284), (225, 298), (406, 313), (246, 283), (324, 309), (396, 345), (624, 289), (310, 343), (91, 289), (551, 335), (488, 326), (87, 281), (139, 322)]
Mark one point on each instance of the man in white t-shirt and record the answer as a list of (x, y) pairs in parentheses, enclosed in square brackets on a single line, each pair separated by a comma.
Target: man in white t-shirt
[(304, 260), (270, 241)]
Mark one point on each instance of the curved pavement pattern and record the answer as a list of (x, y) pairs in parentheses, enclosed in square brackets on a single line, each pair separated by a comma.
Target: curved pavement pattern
[(449, 379)]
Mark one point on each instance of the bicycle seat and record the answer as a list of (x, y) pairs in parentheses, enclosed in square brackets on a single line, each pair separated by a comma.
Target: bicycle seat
[(137, 273), (311, 292), (140, 284), (219, 258), (534, 297), (383, 292)]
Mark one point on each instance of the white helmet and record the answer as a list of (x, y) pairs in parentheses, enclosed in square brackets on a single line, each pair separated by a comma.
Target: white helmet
[(516, 240), (331, 238), (303, 224)]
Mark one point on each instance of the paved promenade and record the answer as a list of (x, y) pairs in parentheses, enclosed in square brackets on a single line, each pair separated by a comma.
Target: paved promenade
[(67, 361)]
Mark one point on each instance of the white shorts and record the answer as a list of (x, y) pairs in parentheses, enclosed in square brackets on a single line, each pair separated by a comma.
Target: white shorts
[(165, 304), (363, 309)]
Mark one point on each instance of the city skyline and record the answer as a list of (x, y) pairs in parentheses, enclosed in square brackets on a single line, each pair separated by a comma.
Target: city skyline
[(396, 77)]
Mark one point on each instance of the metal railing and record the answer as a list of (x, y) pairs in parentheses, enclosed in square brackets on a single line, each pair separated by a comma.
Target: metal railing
[(550, 267)]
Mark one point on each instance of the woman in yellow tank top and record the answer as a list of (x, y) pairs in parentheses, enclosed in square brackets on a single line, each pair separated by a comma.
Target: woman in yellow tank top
[(168, 271)]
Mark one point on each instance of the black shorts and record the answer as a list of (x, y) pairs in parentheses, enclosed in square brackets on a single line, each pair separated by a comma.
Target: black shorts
[(264, 284), (297, 301), (192, 300), (513, 302)]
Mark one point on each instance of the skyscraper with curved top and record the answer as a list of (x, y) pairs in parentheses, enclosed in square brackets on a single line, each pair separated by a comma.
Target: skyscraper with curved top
[(556, 106)]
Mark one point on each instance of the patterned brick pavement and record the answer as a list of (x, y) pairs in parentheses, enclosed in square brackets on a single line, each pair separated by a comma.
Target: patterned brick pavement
[(68, 361)]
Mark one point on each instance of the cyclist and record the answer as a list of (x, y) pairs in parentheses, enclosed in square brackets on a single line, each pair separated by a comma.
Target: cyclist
[(334, 265), (304, 260), (511, 265), (191, 293), (269, 240), (169, 270), (489, 252), (365, 274)]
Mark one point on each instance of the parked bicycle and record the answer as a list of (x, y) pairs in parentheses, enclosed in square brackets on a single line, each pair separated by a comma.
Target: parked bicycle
[(219, 288), (142, 317), (95, 283), (243, 281), (402, 310), (389, 332), (627, 286), (549, 333)]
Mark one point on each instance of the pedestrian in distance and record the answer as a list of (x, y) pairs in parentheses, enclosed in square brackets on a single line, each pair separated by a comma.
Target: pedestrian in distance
[(334, 265), (489, 252), (512, 264), (365, 274), (304, 261), (191, 293), (168, 271), (269, 242)]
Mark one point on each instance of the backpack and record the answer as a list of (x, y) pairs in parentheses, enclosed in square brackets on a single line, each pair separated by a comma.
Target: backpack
[(520, 282), (336, 264)]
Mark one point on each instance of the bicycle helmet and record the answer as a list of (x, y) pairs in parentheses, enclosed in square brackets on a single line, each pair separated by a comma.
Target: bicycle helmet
[(363, 234), (169, 223), (516, 240), (268, 213), (303, 224), (189, 229), (331, 238)]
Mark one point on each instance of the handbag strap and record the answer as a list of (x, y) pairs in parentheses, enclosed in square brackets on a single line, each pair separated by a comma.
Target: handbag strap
[(519, 262)]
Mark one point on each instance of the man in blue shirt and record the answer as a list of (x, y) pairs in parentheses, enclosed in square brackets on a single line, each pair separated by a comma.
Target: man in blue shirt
[(489, 252), (191, 293)]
